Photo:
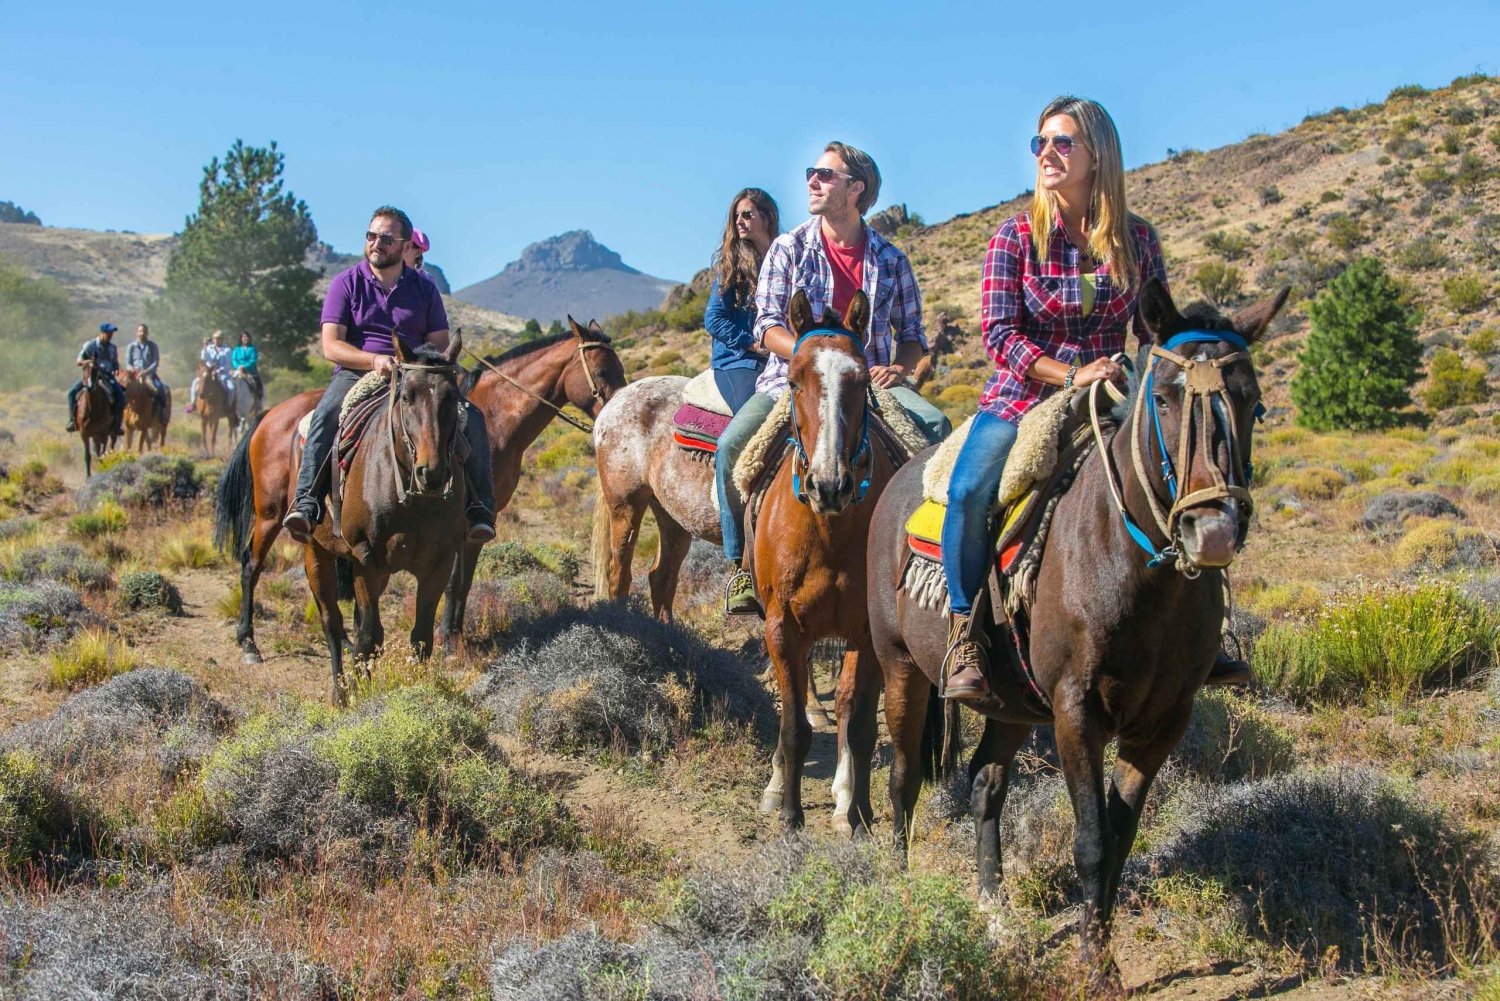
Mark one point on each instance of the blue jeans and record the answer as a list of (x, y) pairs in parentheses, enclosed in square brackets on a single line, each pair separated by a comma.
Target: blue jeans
[(968, 545), (736, 385), (747, 421), (934, 424)]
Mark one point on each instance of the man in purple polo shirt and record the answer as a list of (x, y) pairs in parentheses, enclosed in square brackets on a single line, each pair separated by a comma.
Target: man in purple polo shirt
[(367, 307)]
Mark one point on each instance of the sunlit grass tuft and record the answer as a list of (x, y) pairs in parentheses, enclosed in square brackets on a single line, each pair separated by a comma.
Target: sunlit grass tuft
[(89, 658)]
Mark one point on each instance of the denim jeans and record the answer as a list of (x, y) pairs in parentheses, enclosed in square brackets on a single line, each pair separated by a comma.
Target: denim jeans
[(929, 418), (968, 544), (736, 385), (747, 421)]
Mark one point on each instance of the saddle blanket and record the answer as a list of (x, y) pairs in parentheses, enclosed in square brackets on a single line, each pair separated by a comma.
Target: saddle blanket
[(361, 403), (697, 429)]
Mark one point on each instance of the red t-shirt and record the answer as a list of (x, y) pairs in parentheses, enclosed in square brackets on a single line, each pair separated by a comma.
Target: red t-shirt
[(848, 271)]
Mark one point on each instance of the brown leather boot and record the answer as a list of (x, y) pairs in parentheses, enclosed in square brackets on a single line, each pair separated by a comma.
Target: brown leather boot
[(1228, 671), (968, 660)]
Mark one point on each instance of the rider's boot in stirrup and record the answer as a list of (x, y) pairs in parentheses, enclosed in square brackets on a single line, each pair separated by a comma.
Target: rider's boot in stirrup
[(481, 524), (968, 659), (739, 595), (1228, 671)]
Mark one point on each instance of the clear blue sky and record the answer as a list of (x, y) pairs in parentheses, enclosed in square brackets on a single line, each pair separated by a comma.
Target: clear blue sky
[(495, 125)]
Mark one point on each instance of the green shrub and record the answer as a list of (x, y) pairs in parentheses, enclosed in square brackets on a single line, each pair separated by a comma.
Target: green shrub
[(571, 448), (1362, 354), (1346, 232), (1230, 246), (106, 519), (148, 589), (1451, 383), (1230, 738), (1439, 544), (1406, 90), (1386, 643), (507, 813), (31, 819), (1484, 341), (1220, 283), (1422, 254), (1466, 293), (1270, 195), (1473, 171)]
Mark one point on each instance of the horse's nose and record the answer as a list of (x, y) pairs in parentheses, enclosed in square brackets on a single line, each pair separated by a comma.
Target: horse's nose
[(1212, 536), (832, 496), (425, 476)]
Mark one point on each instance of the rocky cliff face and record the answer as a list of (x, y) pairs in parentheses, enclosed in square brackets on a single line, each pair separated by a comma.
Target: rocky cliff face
[(568, 274)]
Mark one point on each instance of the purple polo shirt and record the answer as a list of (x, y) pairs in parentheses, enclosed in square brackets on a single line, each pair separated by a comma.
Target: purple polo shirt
[(412, 309)]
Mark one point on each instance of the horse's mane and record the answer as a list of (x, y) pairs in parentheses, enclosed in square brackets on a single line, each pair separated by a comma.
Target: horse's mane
[(428, 354), (542, 343)]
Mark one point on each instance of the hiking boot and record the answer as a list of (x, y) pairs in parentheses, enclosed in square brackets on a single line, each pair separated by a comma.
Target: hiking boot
[(1228, 671), (299, 525), (968, 661), (72, 425), (739, 595), (481, 525)]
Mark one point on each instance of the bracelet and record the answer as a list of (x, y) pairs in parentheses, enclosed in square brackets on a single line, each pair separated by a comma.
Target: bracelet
[(1068, 379)]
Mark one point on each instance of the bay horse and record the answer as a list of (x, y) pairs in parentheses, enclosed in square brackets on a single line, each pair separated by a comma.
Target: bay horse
[(579, 367), (402, 508), (94, 412), (1120, 639), (141, 413), (809, 549)]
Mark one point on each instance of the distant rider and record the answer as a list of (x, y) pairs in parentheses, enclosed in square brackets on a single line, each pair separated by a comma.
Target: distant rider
[(106, 358), (216, 362), (243, 360), (144, 356), (367, 307)]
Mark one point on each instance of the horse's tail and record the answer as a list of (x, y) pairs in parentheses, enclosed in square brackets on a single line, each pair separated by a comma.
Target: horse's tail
[(234, 500), (601, 546), (942, 738), (343, 578)]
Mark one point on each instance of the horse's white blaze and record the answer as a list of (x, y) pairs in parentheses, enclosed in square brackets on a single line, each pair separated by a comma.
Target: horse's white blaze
[(843, 785), (833, 369)]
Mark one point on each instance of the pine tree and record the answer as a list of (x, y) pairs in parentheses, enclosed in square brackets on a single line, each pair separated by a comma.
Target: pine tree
[(1362, 355), (239, 264)]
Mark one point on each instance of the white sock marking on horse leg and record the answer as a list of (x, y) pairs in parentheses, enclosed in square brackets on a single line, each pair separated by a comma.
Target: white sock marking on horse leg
[(843, 791), (770, 799), (833, 369)]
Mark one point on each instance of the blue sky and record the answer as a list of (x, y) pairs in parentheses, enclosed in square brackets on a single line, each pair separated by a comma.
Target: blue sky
[(495, 125)]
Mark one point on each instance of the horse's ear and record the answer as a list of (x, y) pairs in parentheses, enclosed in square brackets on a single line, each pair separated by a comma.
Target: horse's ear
[(857, 316), (799, 313), (1252, 321), (1157, 312), (576, 328), (455, 345), (402, 355), (598, 331)]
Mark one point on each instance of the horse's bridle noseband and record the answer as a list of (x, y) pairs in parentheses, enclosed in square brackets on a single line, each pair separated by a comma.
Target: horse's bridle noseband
[(1205, 392), (862, 452)]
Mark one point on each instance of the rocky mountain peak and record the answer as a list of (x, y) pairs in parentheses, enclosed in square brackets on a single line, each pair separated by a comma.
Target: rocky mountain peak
[(576, 250)]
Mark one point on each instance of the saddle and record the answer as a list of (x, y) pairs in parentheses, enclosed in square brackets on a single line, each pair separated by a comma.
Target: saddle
[(702, 418)]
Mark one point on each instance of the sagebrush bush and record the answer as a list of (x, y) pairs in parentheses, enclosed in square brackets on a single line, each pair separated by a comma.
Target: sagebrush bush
[(1342, 859), (1391, 510), (36, 615), (148, 589), (1441, 544), (1451, 383), (62, 562), (1220, 283), (153, 480), (1465, 293), (1382, 643), (1230, 738)]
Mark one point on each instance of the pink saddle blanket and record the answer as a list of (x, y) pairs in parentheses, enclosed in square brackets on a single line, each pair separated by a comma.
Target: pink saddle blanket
[(700, 423)]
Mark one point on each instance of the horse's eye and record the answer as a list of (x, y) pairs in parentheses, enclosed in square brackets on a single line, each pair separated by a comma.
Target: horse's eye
[(1161, 401)]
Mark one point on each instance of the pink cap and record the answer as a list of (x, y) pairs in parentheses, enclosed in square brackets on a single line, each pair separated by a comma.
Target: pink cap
[(420, 241)]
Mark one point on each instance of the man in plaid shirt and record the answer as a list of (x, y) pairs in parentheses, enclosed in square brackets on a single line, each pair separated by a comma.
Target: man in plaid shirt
[(829, 257)]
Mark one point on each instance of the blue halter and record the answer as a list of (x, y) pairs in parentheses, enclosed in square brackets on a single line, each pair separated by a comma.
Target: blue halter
[(861, 452)]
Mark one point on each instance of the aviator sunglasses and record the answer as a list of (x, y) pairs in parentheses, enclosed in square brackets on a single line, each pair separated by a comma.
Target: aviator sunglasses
[(1062, 142), (384, 239)]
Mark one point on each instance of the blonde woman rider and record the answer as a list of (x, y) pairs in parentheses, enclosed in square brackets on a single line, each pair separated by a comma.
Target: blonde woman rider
[(1060, 283)]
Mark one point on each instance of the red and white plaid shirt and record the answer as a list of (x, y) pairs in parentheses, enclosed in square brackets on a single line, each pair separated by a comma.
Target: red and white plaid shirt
[(1033, 307)]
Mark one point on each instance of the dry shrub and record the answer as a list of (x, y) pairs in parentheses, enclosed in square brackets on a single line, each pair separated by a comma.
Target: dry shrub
[(146, 589), (1313, 482), (1230, 738), (36, 615), (152, 481), (1389, 511), (62, 563), (1442, 545)]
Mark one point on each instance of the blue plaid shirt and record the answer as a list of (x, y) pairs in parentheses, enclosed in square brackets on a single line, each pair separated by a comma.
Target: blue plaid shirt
[(797, 260)]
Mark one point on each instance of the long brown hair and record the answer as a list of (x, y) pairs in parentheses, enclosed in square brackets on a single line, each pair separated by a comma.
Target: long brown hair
[(1109, 221), (737, 262)]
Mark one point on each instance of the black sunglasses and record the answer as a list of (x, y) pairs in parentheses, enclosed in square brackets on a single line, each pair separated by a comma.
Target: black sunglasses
[(384, 239), (826, 174), (1062, 142)]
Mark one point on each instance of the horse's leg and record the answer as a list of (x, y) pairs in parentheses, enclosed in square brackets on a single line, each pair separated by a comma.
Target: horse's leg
[(671, 551), (1080, 746), (989, 777), (320, 580), (369, 585), (907, 692), (429, 590), (858, 703), (455, 607), (1136, 766), (788, 649), (262, 535), (624, 529)]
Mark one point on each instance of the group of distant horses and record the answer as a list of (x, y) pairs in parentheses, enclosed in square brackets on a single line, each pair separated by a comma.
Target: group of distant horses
[(1117, 645), (144, 423)]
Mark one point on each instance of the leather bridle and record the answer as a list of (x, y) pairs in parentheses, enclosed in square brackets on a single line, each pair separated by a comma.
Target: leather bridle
[(862, 452)]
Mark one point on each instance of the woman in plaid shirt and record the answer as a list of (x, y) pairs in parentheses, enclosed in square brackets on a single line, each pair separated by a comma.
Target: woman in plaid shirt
[(1060, 285)]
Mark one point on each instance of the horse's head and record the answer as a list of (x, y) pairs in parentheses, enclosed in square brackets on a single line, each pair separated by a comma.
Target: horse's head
[(598, 372), (424, 414), (1198, 386), (830, 385), (87, 376)]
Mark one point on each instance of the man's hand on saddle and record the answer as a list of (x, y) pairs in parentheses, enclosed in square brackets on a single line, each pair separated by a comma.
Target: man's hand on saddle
[(1094, 371), (886, 376)]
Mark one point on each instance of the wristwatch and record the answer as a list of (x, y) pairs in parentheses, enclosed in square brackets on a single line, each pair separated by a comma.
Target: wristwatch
[(1068, 379)]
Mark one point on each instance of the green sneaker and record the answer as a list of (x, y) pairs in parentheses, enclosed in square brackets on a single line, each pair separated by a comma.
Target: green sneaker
[(739, 596)]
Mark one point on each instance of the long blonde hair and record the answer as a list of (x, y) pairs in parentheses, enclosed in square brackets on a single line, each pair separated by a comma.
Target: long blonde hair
[(1109, 221)]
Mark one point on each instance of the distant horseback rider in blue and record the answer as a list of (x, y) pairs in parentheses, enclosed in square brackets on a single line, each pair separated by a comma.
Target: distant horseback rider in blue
[(106, 358), (144, 357), (367, 307)]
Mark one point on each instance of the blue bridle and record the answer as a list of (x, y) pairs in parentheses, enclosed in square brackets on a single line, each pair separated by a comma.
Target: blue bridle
[(862, 452)]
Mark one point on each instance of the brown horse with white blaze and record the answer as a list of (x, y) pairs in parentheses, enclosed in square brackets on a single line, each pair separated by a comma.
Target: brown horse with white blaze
[(1120, 639), (518, 398), (809, 549)]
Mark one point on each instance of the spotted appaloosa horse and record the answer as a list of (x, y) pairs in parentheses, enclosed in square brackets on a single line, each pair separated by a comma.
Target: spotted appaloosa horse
[(527, 388), (1118, 648)]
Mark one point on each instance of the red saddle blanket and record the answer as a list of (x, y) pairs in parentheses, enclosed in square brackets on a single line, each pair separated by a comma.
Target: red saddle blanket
[(698, 430), (355, 424)]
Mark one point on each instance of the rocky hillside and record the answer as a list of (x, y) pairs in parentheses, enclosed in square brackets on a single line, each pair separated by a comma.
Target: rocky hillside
[(568, 274)]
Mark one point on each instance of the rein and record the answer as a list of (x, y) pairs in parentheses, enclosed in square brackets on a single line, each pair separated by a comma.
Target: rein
[(404, 489), (588, 373), (862, 452), (1204, 393)]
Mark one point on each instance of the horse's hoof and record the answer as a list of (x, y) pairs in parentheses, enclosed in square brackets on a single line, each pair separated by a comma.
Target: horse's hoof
[(770, 802), (251, 657), (842, 827)]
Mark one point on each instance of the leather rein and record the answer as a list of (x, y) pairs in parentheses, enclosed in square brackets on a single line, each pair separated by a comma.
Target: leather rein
[(1204, 394), (594, 388), (862, 453), (400, 436)]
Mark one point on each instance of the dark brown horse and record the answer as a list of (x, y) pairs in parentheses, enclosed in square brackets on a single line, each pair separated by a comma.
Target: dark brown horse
[(94, 412), (1118, 648), (579, 367), (810, 541), (142, 416), (402, 508)]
